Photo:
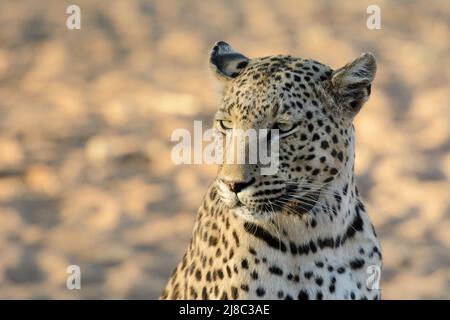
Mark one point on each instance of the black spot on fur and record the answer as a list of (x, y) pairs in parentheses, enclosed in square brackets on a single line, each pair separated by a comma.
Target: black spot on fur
[(264, 235), (303, 295), (234, 293), (260, 292), (319, 281), (276, 270), (357, 264)]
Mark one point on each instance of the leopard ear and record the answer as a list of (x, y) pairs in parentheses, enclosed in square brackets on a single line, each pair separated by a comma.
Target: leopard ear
[(225, 62), (351, 84)]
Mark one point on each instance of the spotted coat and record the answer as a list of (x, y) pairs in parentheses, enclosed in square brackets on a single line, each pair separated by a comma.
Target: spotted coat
[(304, 232)]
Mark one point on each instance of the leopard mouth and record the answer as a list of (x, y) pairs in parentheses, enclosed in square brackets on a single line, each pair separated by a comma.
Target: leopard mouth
[(298, 206), (294, 200)]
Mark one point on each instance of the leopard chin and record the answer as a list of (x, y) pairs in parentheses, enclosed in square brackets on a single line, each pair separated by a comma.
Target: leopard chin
[(257, 214)]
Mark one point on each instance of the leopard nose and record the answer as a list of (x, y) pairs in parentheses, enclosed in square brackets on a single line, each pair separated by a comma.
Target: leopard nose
[(238, 186)]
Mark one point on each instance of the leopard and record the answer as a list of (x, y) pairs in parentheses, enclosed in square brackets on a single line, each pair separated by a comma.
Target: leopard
[(302, 232)]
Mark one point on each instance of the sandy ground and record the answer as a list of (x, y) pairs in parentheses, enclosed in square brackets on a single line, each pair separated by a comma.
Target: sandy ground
[(86, 118)]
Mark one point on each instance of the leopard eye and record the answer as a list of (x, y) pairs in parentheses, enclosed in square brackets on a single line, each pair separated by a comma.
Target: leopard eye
[(225, 125), (284, 127)]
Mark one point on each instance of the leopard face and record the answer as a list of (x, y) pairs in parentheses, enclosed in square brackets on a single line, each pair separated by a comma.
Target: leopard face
[(310, 105)]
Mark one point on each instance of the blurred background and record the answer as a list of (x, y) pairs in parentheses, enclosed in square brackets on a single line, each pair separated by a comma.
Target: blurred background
[(86, 117)]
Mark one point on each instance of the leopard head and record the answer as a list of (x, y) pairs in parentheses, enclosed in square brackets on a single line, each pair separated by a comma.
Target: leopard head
[(307, 107)]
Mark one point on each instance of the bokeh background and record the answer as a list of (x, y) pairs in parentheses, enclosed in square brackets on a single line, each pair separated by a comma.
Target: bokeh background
[(86, 117)]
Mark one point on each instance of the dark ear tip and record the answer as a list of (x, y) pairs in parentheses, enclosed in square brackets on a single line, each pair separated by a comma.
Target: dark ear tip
[(369, 58), (214, 52), (219, 49), (368, 55), (219, 45), (226, 60)]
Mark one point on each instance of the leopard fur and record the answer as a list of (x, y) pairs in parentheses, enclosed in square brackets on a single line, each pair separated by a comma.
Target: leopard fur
[(302, 233)]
